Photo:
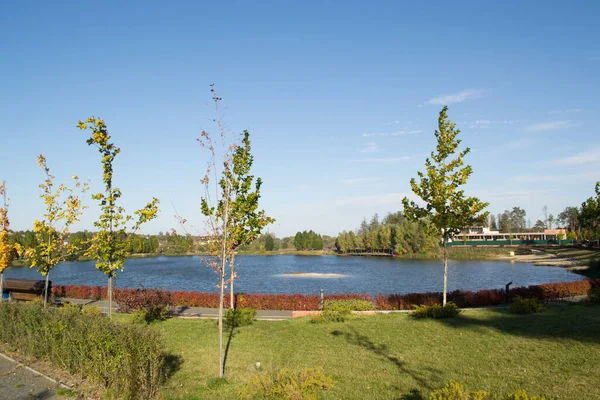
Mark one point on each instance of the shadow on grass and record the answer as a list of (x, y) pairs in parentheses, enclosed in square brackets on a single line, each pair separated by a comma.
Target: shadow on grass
[(559, 321), (231, 335), (171, 364), (352, 336), (414, 394)]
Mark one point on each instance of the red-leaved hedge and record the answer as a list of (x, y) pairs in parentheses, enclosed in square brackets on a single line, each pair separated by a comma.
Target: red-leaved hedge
[(134, 298)]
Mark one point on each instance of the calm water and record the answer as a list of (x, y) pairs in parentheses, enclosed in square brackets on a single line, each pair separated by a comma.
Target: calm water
[(261, 274)]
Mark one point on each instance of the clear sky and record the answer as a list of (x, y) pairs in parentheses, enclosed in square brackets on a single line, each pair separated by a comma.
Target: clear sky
[(341, 98)]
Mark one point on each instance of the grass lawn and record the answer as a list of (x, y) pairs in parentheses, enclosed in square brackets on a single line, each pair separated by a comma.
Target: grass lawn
[(555, 354)]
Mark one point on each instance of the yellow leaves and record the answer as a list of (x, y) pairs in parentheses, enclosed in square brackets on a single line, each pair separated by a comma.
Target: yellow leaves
[(41, 161)]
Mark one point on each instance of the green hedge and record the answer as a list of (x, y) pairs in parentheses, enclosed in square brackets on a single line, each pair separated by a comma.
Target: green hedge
[(127, 360)]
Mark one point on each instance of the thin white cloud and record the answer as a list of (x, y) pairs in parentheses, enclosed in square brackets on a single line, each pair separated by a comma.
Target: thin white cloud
[(587, 176), (380, 199), (565, 111), (481, 123), (383, 160), (370, 147), (396, 133), (356, 181), (586, 157), (548, 126), (486, 123), (518, 144), (456, 97)]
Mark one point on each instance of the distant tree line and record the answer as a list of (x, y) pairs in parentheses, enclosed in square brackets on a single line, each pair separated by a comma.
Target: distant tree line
[(394, 234), (169, 244), (308, 241), (581, 223)]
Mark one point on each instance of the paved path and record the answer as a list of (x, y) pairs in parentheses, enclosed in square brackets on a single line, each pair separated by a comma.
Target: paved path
[(18, 383), (190, 312)]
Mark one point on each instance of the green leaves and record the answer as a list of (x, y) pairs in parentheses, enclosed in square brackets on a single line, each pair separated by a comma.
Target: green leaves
[(63, 208), (110, 246), (446, 207)]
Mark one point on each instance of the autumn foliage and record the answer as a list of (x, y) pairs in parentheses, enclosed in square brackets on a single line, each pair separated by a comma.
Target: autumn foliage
[(299, 302)]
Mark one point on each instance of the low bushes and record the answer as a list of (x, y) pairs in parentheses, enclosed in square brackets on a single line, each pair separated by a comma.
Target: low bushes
[(520, 305), (449, 310), (456, 391), (287, 384), (594, 295), (340, 310), (349, 305), (340, 315), (127, 360), (300, 302), (239, 317)]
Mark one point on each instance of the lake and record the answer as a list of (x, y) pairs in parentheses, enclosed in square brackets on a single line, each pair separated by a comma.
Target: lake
[(263, 274)]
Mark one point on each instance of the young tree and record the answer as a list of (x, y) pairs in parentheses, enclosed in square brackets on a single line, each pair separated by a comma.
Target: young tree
[(589, 216), (539, 225), (446, 207), (551, 220), (231, 207), (109, 247), (246, 220), (63, 209), (569, 218), (493, 224), (269, 246), (8, 248)]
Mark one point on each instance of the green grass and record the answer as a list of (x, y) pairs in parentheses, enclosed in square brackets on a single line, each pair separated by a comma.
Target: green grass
[(555, 353)]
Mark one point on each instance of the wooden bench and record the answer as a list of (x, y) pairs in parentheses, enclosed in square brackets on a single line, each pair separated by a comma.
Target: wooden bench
[(27, 289)]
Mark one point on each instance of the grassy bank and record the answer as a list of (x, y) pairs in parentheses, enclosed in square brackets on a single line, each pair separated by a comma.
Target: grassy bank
[(579, 257), (287, 252), (468, 253), (555, 354)]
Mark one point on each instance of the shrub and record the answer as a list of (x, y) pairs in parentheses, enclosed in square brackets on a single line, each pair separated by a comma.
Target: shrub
[(331, 316), (594, 295), (239, 317), (522, 395), (128, 360), (456, 391), (91, 310), (154, 302), (287, 384), (156, 313), (349, 305), (519, 305), (450, 310)]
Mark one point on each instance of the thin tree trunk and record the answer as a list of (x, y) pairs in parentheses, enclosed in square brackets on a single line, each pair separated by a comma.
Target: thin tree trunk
[(109, 296), (2, 286), (232, 269), (222, 283), (221, 301), (46, 289), (445, 271)]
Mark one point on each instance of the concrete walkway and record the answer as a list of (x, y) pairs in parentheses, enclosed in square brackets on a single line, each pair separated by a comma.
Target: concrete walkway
[(17, 382), (187, 312)]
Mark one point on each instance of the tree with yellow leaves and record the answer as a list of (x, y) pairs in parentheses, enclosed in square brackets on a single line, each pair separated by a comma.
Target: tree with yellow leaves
[(7, 247), (63, 209), (109, 246)]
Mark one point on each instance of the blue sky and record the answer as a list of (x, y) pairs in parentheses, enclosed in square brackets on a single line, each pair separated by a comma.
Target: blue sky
[(341, 99)]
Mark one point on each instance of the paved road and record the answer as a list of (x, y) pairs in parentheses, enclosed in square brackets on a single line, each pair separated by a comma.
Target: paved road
[(191, 312), (17, 383)]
